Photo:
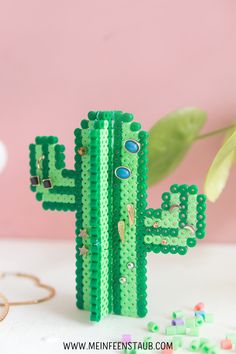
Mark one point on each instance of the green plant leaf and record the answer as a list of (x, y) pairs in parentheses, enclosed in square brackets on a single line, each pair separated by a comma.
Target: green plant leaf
[(170, 139), (218, 172)]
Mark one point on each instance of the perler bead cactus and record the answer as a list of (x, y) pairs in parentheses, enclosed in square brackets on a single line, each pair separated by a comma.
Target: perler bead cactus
[(107, 190)]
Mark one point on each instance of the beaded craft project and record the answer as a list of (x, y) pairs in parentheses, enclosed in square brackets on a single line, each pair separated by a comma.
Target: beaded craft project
[(115, 230)]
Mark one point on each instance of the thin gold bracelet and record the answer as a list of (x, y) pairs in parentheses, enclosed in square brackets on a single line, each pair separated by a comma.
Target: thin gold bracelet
[(5, 310), (37, 283)]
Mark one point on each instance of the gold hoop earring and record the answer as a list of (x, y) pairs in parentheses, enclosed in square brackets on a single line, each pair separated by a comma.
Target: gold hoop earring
[(5, 305)]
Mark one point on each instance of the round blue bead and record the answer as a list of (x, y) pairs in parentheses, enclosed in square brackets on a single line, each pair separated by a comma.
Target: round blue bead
[(122, 172), (132, 146)]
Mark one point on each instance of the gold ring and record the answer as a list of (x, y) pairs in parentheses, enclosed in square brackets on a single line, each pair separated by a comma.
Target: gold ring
[(5, 310)]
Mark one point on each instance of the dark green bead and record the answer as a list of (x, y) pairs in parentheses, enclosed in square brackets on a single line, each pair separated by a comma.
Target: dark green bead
[(166, 196), (201, 207), (127, 117), (165, 206), (84, 124), (193, 189), (165, 249), (173, 249), (191, 242), (39, 196), (183, 188), (135, 126), (173, 232), (92, 115), (200, 234), (201, 225), (201, 198), (182, 250), (174, 188)]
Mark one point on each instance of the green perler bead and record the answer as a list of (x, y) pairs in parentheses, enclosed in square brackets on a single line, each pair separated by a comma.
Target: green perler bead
[(177, 342), (209, 318), (177, 314), (199, 321), (114, 227), (194, 332), (181, 329), (194, 346), (190, 322), (171, 330), (152, 327)]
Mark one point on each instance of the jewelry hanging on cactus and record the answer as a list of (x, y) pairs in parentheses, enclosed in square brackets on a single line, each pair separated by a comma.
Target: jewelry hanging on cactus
[(40, 159), (121, 230), (131, 215)]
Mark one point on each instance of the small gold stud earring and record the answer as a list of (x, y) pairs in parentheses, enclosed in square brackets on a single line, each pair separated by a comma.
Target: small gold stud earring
[(82, 151)]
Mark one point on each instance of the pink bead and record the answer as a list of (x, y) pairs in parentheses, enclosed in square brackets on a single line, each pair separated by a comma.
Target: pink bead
[(226, 344), (167, 351), (126, 338), (199, 307)]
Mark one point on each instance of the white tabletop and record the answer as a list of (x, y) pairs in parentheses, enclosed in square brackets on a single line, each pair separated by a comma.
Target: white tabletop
[(206, 273)]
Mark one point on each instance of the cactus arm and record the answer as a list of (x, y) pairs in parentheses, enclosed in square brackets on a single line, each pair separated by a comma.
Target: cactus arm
[(47, 163), (178, 223)]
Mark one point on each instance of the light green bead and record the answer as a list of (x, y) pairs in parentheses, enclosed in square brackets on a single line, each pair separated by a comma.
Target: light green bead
[(199, 321), (171, 330), (209, 318), (203, 341), (213, 350), (190, 322), (147, 339), (152, 327), (177, 314), (177, 342), (181, 329), (193, 332), (231, 336), (194, 346)]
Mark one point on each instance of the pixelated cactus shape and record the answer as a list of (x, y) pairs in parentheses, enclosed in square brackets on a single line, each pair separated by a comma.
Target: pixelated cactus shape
[(114, 228)]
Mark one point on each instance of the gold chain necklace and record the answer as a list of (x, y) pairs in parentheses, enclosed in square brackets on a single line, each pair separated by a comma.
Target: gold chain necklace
[(6, 304)]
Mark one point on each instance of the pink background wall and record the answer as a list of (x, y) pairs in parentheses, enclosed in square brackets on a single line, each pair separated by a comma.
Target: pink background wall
[(60, 59)]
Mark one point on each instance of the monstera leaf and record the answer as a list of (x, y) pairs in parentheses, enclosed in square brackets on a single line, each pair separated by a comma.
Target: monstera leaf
[(170, 139), (219, 170)]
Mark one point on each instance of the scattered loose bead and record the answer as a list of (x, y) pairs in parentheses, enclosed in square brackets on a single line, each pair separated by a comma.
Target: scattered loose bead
[(152, 327), (194, 346), (177, 322), (171, 330), (199, 307), (226, 344), (177, 314)]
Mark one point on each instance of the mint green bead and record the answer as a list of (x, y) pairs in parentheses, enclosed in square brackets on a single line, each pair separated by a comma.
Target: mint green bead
[(213, 350), (177, 342), (199, 321), (152, 327), (181, 329), (209, 318), (177, 314), (194, 332), (190, 322), (171, 330), (194, 346)]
